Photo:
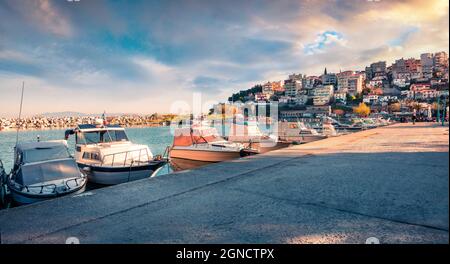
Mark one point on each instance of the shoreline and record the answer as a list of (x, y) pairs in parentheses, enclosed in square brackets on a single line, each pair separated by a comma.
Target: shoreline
[(2, 130)]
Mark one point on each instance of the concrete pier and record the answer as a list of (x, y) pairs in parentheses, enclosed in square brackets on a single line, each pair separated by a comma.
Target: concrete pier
[(390, 183)]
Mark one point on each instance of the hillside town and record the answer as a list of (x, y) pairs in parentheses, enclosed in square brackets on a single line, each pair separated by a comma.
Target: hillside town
[(407, 85)]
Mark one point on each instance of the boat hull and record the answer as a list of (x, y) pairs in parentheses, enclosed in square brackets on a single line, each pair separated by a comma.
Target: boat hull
[(22, 198), (179, 164), (204, 155), (266, 146), (110, 175)]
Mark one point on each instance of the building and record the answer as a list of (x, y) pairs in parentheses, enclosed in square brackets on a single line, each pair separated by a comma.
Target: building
[(412, 68), (296, 77), (328, 78), (323, 94), (370, 98), (310, 82), (378, 81), (441, 64), (269, 88), (423, 94), (340, 97), (375, 69), (427, 61), (419, 87), (292, 87), (261, 97), (301, 99), (401, 82), (350, 82)]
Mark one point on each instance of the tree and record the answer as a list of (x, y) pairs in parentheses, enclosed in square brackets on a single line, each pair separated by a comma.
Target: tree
[(362, 110)]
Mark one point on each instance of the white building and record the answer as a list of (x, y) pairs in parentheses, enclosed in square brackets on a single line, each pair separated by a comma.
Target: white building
[(340, 97), (350, 82), (267, 89), (323, 94), (292, 87)]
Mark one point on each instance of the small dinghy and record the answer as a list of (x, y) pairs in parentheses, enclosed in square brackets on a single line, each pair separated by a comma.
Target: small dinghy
[(44, 170)]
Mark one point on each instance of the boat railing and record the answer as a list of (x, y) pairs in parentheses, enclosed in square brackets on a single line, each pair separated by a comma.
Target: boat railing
[(41, 187), (76, 180), (129, 158), (166, 153)]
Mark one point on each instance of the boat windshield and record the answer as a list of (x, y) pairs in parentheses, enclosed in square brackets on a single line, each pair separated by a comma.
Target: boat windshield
[(186, 137), (105, 136), (44, 154)]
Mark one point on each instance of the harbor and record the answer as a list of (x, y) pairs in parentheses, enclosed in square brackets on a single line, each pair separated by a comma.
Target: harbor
[(389, 182)]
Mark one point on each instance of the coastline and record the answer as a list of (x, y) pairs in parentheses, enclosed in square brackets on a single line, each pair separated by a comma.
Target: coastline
[(14, 129)]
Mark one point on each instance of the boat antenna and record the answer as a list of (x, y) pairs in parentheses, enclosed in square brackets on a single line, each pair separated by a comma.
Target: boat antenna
[(20, 113)]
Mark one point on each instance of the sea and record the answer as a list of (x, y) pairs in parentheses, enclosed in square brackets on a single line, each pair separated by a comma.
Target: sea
[(157, 138)]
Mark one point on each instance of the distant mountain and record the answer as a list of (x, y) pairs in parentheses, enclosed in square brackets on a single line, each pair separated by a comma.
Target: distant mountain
[(63, 114), (75, 114)]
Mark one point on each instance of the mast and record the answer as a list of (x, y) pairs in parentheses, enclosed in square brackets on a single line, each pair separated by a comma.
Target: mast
[(20, 112)]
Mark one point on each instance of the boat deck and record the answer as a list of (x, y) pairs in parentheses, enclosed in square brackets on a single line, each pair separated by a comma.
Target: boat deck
[(390, 183)]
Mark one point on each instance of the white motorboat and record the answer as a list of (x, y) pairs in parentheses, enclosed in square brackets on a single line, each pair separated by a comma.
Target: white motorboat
[(298, 132), (108, 156), (248, 134), (44, 170), (197, 146)]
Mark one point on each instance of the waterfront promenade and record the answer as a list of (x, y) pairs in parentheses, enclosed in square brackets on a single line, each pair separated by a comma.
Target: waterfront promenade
[(390, 183)]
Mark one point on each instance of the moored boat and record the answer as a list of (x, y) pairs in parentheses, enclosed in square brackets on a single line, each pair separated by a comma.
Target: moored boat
[(298, 132), (109, 157), (2, 185), (248, 134), (196, 146), (42, 171)]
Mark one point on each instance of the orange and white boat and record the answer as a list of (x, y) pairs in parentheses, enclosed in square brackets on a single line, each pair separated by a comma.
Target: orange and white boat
[(197, 146)]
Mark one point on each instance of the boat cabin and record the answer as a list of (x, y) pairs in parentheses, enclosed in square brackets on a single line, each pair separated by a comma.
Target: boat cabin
[(107, 145)]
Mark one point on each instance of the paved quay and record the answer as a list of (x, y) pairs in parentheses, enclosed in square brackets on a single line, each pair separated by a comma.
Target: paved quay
[(390, 183)]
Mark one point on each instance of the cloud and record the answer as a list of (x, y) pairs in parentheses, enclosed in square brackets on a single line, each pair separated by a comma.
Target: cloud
[(324, 40), (140, 56)]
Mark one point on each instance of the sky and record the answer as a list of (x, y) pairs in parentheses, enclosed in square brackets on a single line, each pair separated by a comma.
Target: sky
[(141, 56)]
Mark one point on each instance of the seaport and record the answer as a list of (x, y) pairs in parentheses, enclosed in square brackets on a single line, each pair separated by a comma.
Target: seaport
[(219, 122), (388, 182)]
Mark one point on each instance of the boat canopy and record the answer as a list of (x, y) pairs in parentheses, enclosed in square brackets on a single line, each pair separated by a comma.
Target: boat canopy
[(42, 151), (196, 135), (40, 173)]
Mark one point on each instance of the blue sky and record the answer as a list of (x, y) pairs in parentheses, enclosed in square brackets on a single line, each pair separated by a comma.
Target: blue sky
[(141, 56)]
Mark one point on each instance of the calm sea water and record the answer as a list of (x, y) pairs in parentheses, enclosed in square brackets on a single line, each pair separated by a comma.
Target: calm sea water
[(157, 138)]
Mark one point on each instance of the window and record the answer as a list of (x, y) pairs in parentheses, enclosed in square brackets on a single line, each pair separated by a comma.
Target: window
[(42, 154), (91, 155), (106, 136)]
